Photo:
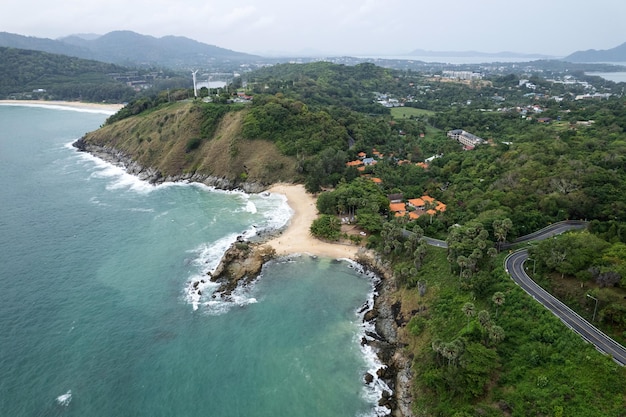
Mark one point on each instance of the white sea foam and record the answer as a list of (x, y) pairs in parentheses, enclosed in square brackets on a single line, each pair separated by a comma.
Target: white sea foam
[(141, 210), (250, 207), (199, 289), (61, 107), (275, 209), (373, 391), (65, 399)]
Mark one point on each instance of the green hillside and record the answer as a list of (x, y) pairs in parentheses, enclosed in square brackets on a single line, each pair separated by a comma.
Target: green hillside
[(196, 137), (27, 73)]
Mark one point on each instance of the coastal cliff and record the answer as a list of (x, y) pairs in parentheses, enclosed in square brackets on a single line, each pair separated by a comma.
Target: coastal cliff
[(174, 143)]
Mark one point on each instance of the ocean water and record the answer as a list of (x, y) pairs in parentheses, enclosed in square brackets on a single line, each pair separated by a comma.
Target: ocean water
[(96, 316)]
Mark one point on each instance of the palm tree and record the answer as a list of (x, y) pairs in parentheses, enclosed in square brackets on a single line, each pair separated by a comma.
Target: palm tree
[(469, 310), (462, 261), (498, 300), (484, 318), (496, 334)]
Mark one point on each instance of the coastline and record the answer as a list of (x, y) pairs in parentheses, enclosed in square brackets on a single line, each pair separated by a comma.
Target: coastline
[(296, 238), (70, 105)]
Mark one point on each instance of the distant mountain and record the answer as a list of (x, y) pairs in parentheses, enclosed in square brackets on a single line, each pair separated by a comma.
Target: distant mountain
[(11, 40), (504, 54), (617, 54), (129, 48)]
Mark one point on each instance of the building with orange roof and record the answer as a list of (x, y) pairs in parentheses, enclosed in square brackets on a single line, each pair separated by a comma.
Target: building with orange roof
[(354, 163), (428, 199), (425, 205), (376, 180), (416, 203), (422, 165), (399, 209), (361, 155)]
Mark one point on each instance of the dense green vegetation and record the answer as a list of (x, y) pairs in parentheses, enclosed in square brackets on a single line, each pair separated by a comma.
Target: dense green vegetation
[(62, 77), (479, 345), (501, 353)]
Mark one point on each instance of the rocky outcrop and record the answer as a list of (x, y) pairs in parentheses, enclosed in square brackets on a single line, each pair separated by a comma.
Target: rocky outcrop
[(154, 176), (241, 264), (386, 315)]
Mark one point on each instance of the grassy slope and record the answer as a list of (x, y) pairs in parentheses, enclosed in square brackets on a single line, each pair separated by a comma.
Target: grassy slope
[(159, 139)]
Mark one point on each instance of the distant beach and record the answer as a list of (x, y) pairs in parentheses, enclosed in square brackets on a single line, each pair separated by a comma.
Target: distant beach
[(78, 105), (297, 237)]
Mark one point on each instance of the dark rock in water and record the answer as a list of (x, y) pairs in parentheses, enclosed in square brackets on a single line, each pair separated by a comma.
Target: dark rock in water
[(371, 315), (369, 378), (199, 292), (195, 284)]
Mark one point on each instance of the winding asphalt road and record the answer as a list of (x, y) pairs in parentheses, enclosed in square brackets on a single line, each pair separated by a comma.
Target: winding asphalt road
[(514, 265)]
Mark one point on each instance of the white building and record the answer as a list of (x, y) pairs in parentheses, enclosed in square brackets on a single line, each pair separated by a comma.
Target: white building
[(469, 140)]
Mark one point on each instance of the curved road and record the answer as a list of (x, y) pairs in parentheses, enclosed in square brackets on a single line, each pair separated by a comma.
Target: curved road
[(514, 265)]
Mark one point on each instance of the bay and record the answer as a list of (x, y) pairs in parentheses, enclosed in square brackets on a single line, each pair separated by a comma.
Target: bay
[(95, 318)]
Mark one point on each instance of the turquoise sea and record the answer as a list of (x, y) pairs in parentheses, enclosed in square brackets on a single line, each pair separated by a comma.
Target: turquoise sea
[(95, 313)]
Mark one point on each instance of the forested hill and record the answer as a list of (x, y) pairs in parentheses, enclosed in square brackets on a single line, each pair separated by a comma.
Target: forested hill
[(129, 48), (62, 77), (617, 54)]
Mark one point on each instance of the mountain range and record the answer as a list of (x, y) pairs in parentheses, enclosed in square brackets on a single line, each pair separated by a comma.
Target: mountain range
[(129, 48), (617, 54), (133, 49)]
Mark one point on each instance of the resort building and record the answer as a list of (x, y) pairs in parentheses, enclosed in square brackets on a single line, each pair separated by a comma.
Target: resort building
[(468, 140)]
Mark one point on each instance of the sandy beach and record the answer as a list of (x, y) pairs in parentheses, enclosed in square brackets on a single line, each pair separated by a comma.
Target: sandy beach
[(297, 237), (78, 105)]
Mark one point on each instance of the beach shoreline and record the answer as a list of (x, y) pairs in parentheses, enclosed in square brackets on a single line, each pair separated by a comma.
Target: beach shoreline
[(296, 237), (77, 105)]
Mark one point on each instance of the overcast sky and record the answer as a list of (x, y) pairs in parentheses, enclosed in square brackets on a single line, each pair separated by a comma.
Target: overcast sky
[(355, 27)]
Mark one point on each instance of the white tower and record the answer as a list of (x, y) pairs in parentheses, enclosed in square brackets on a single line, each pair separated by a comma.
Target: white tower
[(195, 88)]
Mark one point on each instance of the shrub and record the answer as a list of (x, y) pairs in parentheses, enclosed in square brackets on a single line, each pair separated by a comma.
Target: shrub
[(192, 144), (326, 227)]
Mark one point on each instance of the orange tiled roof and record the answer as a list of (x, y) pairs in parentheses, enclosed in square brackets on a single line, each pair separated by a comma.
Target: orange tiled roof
[(428, 199), (413, 215), (440, 207), (431, 212), (361, 154), (377, 180), (397, 207), (354, 163), (417, 202)]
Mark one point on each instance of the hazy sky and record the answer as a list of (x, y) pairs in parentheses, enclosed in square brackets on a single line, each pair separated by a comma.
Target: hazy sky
[(356, 27)]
